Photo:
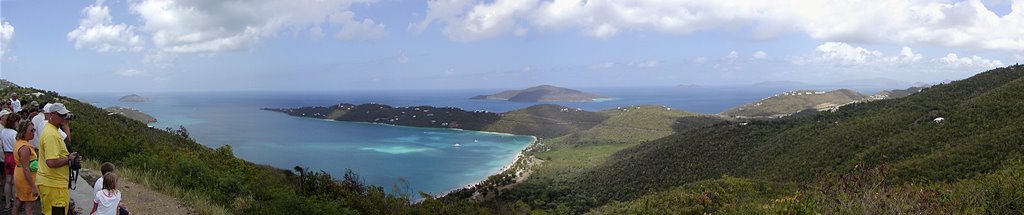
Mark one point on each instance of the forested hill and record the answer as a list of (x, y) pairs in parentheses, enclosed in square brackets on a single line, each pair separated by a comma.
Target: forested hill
[(544, 120), (959, 146)]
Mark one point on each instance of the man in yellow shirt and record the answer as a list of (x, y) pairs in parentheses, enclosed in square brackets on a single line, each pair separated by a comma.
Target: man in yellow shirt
[(52, 178)]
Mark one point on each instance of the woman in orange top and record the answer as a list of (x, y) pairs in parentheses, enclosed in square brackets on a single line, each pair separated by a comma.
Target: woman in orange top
[(24, 177)]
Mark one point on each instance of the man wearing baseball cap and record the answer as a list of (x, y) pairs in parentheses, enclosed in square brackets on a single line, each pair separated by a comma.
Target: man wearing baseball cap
[(52, 177)]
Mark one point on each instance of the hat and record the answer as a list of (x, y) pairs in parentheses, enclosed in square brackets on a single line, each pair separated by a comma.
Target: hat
[(34, 104), (14, 94), (4, 112), (46, 108), (59, 108)]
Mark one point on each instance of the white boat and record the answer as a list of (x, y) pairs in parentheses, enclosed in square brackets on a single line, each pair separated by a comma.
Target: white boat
[(456, 145)]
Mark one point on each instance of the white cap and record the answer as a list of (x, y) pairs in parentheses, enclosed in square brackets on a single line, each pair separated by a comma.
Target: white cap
[(46, 108), (4, 112), (59, 108)]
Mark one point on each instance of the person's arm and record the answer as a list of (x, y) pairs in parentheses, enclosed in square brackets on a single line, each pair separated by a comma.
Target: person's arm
[(94, 205), (24, 153), (57, 162), (67, 130)]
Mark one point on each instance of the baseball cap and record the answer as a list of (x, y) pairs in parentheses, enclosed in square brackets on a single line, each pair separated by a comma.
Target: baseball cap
[(59, 108), (46, 108)]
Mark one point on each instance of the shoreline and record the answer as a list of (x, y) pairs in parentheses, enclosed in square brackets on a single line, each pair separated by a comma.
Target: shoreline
[(519, 157)]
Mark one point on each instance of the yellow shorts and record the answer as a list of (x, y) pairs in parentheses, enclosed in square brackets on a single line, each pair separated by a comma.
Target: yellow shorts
[(54, 197)]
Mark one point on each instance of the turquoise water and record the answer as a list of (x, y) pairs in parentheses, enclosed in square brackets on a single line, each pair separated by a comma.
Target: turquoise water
[(416, 159)]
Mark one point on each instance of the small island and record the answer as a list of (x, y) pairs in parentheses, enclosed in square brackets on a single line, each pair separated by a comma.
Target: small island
[(132, 98), (131, 113), (542, 93)]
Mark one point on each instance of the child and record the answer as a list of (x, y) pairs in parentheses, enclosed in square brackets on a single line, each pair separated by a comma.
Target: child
[(104, 169), (108, 200)]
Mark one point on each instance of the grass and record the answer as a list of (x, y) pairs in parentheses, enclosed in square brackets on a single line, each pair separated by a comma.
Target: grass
[(193, 199)]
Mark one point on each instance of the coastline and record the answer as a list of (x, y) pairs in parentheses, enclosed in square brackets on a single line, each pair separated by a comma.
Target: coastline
[(519, 158)]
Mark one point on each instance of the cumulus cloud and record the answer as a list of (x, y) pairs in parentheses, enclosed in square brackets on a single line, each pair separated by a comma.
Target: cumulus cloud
[(733, 55), (365, 29), (760, 55), (196, 26), (96, 31), (954, 24), (6, 37), (846, 55), (952, 60)]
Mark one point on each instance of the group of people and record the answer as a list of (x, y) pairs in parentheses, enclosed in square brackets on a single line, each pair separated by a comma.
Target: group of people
[(36, 162)]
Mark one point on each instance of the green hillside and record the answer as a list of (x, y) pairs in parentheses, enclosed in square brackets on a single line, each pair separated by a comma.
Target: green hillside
[(980, 140), (795, 101)]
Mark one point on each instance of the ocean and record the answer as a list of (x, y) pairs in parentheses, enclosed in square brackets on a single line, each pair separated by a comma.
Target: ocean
[(411, 159)]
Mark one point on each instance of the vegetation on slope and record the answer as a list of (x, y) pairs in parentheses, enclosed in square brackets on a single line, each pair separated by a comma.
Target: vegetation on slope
[(131, 114), (795, 101), (982, 133)]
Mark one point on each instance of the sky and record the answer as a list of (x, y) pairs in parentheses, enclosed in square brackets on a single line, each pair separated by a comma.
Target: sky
[(344, 45)]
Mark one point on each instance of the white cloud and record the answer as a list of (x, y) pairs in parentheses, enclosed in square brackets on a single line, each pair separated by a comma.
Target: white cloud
[(733, 55), (316, 33), (440, 10), (196, 26), (366, 29), (953, 24), (955, 62), (846, 55), (6, 37), (96, 31), (760, 55), (128, 72)]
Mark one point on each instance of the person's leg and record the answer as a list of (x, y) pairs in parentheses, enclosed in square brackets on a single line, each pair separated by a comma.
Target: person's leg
[(17, 204), (44, 200), (10, 188), (29, 207)]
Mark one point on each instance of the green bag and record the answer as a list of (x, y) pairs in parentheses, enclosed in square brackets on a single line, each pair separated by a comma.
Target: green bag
[(33, 165)]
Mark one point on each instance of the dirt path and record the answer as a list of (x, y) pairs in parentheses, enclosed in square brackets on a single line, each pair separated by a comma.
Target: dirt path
[(139, 199)]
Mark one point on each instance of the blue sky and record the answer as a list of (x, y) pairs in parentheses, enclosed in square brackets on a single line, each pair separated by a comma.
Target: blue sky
[(316, 45)]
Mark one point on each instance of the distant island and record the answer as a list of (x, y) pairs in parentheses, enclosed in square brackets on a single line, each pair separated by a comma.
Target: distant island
[(542, 93), (131, 113), (132, 98)]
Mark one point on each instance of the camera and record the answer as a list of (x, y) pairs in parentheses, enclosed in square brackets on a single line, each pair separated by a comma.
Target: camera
[(76, 164), (70, 116)]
